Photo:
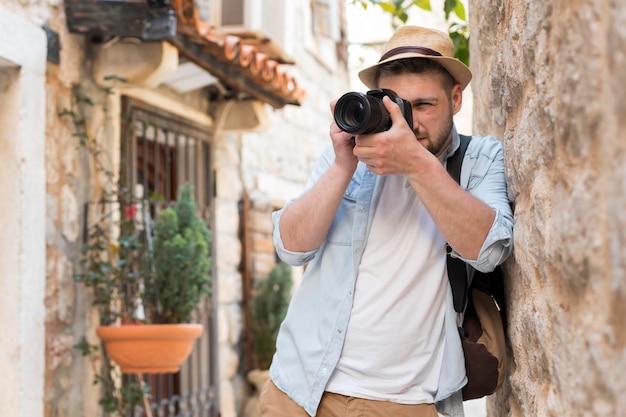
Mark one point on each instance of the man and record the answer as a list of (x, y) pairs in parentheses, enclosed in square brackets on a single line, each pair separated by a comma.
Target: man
[(371, 330)]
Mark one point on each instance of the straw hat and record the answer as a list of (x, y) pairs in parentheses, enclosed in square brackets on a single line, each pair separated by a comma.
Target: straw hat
[(419, 42)]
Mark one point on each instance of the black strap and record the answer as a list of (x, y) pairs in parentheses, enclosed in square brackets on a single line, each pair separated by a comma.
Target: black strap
[(457, 269), (455, 161)]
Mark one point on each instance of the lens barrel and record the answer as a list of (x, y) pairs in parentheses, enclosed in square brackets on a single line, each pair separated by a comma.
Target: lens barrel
[(359, 113)]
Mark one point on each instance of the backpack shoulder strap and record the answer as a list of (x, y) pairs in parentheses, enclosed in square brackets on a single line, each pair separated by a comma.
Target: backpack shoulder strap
[(456, 160), (457, 269)]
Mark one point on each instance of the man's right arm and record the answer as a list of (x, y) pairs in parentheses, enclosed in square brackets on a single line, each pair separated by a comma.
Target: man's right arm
[(304, 223)]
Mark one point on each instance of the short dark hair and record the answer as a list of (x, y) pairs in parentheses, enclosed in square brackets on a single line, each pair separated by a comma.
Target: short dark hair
[(415, 66)]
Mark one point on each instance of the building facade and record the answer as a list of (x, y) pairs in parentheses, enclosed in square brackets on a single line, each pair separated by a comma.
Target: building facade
[(231, 97)]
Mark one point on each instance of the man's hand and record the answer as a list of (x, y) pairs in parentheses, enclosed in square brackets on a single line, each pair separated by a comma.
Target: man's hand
[(343, 144), (393, 152)]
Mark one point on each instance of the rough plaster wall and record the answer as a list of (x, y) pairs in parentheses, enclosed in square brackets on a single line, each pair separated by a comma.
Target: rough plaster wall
[(68, 378), (22, 262), (549, 80)]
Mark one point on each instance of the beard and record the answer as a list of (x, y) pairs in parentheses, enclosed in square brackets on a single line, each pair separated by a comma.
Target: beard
[(439, 140)]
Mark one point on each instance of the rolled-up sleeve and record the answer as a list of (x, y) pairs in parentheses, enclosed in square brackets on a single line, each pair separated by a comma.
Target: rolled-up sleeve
[(497, 246), (287, 256), (300, 258), (483, 176)]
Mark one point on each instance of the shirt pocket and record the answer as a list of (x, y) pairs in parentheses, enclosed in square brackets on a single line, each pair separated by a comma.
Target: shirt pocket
[(484, 161), (474, 181), (480, 168)]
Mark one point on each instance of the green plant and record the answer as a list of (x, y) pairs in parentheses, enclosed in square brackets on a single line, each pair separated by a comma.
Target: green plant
[(111, 261), (269, 307), (152, 272), (113, 268), (181, 264), (130, 279)]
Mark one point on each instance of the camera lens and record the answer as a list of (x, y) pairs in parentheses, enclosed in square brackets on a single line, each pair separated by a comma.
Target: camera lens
[(355, 113), (359, 113)]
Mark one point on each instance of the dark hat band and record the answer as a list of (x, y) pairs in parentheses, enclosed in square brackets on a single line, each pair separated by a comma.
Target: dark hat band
[(404, 49)]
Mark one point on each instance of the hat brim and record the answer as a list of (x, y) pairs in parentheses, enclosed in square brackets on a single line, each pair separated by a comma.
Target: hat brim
[(459, 71)]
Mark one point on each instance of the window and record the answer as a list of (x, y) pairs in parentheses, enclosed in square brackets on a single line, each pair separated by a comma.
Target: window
[(163, 151), (325, 15)]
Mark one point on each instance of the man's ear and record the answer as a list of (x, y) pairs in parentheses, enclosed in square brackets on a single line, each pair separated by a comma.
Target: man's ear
[(457, 98)]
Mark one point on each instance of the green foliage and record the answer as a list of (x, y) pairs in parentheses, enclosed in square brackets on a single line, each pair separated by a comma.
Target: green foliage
[(114, 270), (117, 266), (460, 38), (168, 279), (113, 261), (423, 4), (180, 262), (456, 7), (121, 400), (120, 394), (84, 347), (458, 31), (268, 308)]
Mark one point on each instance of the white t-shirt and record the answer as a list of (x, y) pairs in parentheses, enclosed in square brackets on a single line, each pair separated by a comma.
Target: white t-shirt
[(394, 342)]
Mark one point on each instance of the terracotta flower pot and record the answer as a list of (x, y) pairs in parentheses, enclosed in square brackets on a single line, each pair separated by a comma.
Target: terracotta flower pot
[(149, 348)]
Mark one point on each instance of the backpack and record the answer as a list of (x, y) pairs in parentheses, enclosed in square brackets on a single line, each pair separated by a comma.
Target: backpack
[(481, 296)]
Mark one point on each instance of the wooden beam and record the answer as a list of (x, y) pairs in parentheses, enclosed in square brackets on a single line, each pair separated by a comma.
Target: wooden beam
[(131, 18)]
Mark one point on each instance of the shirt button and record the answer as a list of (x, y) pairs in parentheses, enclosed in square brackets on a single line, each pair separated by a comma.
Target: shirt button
[(361, 208), (324, 370), (338, 331)]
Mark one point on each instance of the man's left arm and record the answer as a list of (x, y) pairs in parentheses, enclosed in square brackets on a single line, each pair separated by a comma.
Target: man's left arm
[(463, 219), (483, 177), (476, 219)]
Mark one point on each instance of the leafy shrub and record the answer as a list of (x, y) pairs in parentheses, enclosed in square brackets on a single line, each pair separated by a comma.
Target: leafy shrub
[(268, 308)]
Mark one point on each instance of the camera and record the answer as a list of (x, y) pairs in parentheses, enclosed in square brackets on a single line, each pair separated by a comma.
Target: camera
[(359, 113)]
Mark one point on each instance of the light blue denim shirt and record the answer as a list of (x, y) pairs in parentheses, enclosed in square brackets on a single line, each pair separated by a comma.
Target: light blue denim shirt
[(311, 336)]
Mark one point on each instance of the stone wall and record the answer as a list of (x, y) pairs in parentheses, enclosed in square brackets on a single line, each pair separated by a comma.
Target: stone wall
[(549, 80)]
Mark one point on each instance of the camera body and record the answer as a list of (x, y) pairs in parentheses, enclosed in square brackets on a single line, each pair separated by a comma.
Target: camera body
[(359, 113)]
